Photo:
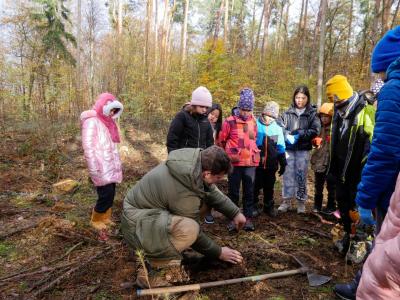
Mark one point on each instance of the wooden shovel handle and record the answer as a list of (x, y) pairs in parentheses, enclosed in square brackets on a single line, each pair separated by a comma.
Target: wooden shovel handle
[(198, 286)]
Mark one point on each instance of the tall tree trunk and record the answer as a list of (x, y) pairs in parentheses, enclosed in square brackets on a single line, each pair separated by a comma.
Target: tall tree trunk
[(226, 22), (184, 32), (120, 4), (395, 14), (217, 24), (164, 29), (267, 14), (375, 24), (259, 28), (253, 24), (78, 55), (279, 29), (168, 45), (350, 28), (149, 14), (321, 52), (300, 27), (386, 6), (317, 30), (303, 35), (286, 24), (156, 36)]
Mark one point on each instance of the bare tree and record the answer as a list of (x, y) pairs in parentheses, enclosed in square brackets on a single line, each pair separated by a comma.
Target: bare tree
[(78, 54), (226, 21), (386, 7), (395, 14), (350, 28), (155, 36), (321, 52), (149, 17), (93, 21), (267, 15), (119, 22), (317, 30), (184, 32)]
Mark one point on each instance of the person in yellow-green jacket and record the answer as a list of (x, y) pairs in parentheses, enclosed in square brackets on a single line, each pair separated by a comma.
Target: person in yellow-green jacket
[(352, 129)]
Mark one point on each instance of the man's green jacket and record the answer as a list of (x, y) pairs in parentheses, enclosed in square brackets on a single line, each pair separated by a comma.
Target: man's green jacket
[(174, 187)]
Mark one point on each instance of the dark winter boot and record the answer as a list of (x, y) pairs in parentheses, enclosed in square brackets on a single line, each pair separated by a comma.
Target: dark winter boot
[(348, 291), (317, 203), (269, 209)]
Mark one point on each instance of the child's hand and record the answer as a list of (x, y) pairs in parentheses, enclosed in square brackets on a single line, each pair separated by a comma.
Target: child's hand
[(317, 142)]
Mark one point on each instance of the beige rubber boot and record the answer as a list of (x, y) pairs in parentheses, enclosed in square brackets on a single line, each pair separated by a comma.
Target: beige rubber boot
[(107, 219), (97, 220)]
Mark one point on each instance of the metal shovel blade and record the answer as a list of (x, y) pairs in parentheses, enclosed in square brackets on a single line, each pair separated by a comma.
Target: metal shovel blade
[(317, 279)]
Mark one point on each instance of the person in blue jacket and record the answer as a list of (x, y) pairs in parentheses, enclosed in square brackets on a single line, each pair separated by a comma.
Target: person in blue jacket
[(383, 164), (271, 142)]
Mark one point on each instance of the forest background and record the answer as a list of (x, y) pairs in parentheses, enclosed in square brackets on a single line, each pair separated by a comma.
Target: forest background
[(56, 56)]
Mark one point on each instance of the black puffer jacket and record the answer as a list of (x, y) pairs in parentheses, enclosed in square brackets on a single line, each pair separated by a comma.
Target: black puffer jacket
[(307, 126), (189, 131)]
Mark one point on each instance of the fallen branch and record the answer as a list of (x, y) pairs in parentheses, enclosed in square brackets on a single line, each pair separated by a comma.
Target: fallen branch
[(43, 270), (323, 221), (67, 274), (35, 268)]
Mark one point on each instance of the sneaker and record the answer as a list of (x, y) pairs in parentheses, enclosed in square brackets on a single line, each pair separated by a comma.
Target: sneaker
[(249, 226), (231, 227), (285, 205), (301, 207), (209, 219), (316, 210)]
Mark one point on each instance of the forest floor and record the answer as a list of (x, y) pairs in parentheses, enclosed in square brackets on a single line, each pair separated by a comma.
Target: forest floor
[(49, 251)]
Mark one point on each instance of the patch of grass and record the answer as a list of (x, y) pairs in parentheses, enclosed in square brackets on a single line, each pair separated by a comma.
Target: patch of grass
[(77, 216), (23, 286), (22, 202), (202, 297), (25, 148), (276, 298), (306, 241), (85, 195), (6, 249), (103, 295), (325, 289)]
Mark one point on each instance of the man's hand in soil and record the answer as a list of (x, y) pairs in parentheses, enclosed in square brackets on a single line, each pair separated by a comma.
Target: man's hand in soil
[(239, 220), (230, 255)]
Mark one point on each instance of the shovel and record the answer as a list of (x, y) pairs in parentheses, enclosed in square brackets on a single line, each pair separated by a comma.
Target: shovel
[(313, 280)]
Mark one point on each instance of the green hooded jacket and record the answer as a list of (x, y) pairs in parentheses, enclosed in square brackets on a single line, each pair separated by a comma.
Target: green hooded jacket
[(174, 187)]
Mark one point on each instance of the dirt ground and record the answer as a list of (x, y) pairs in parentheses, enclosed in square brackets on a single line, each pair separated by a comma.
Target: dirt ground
[(48, 250)]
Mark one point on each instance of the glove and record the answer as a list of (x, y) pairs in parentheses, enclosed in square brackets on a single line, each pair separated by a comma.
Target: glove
[(282, 164), (317, 142), (366, 216), (292, 139)]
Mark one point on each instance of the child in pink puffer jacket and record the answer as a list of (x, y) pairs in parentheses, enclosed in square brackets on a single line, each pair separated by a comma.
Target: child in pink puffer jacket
[(99, 138), (381, 272)]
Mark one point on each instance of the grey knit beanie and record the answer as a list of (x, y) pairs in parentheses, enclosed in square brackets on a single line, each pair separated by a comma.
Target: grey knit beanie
[(271, 109)]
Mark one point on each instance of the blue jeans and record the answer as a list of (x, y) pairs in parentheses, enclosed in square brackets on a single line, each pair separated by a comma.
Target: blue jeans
[(244, 175)]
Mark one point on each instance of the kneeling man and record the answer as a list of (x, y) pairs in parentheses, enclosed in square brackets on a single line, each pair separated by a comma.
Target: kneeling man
[(161, 213)]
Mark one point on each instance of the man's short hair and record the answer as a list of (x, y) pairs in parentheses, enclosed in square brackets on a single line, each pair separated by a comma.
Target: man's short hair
[(215, 160)]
